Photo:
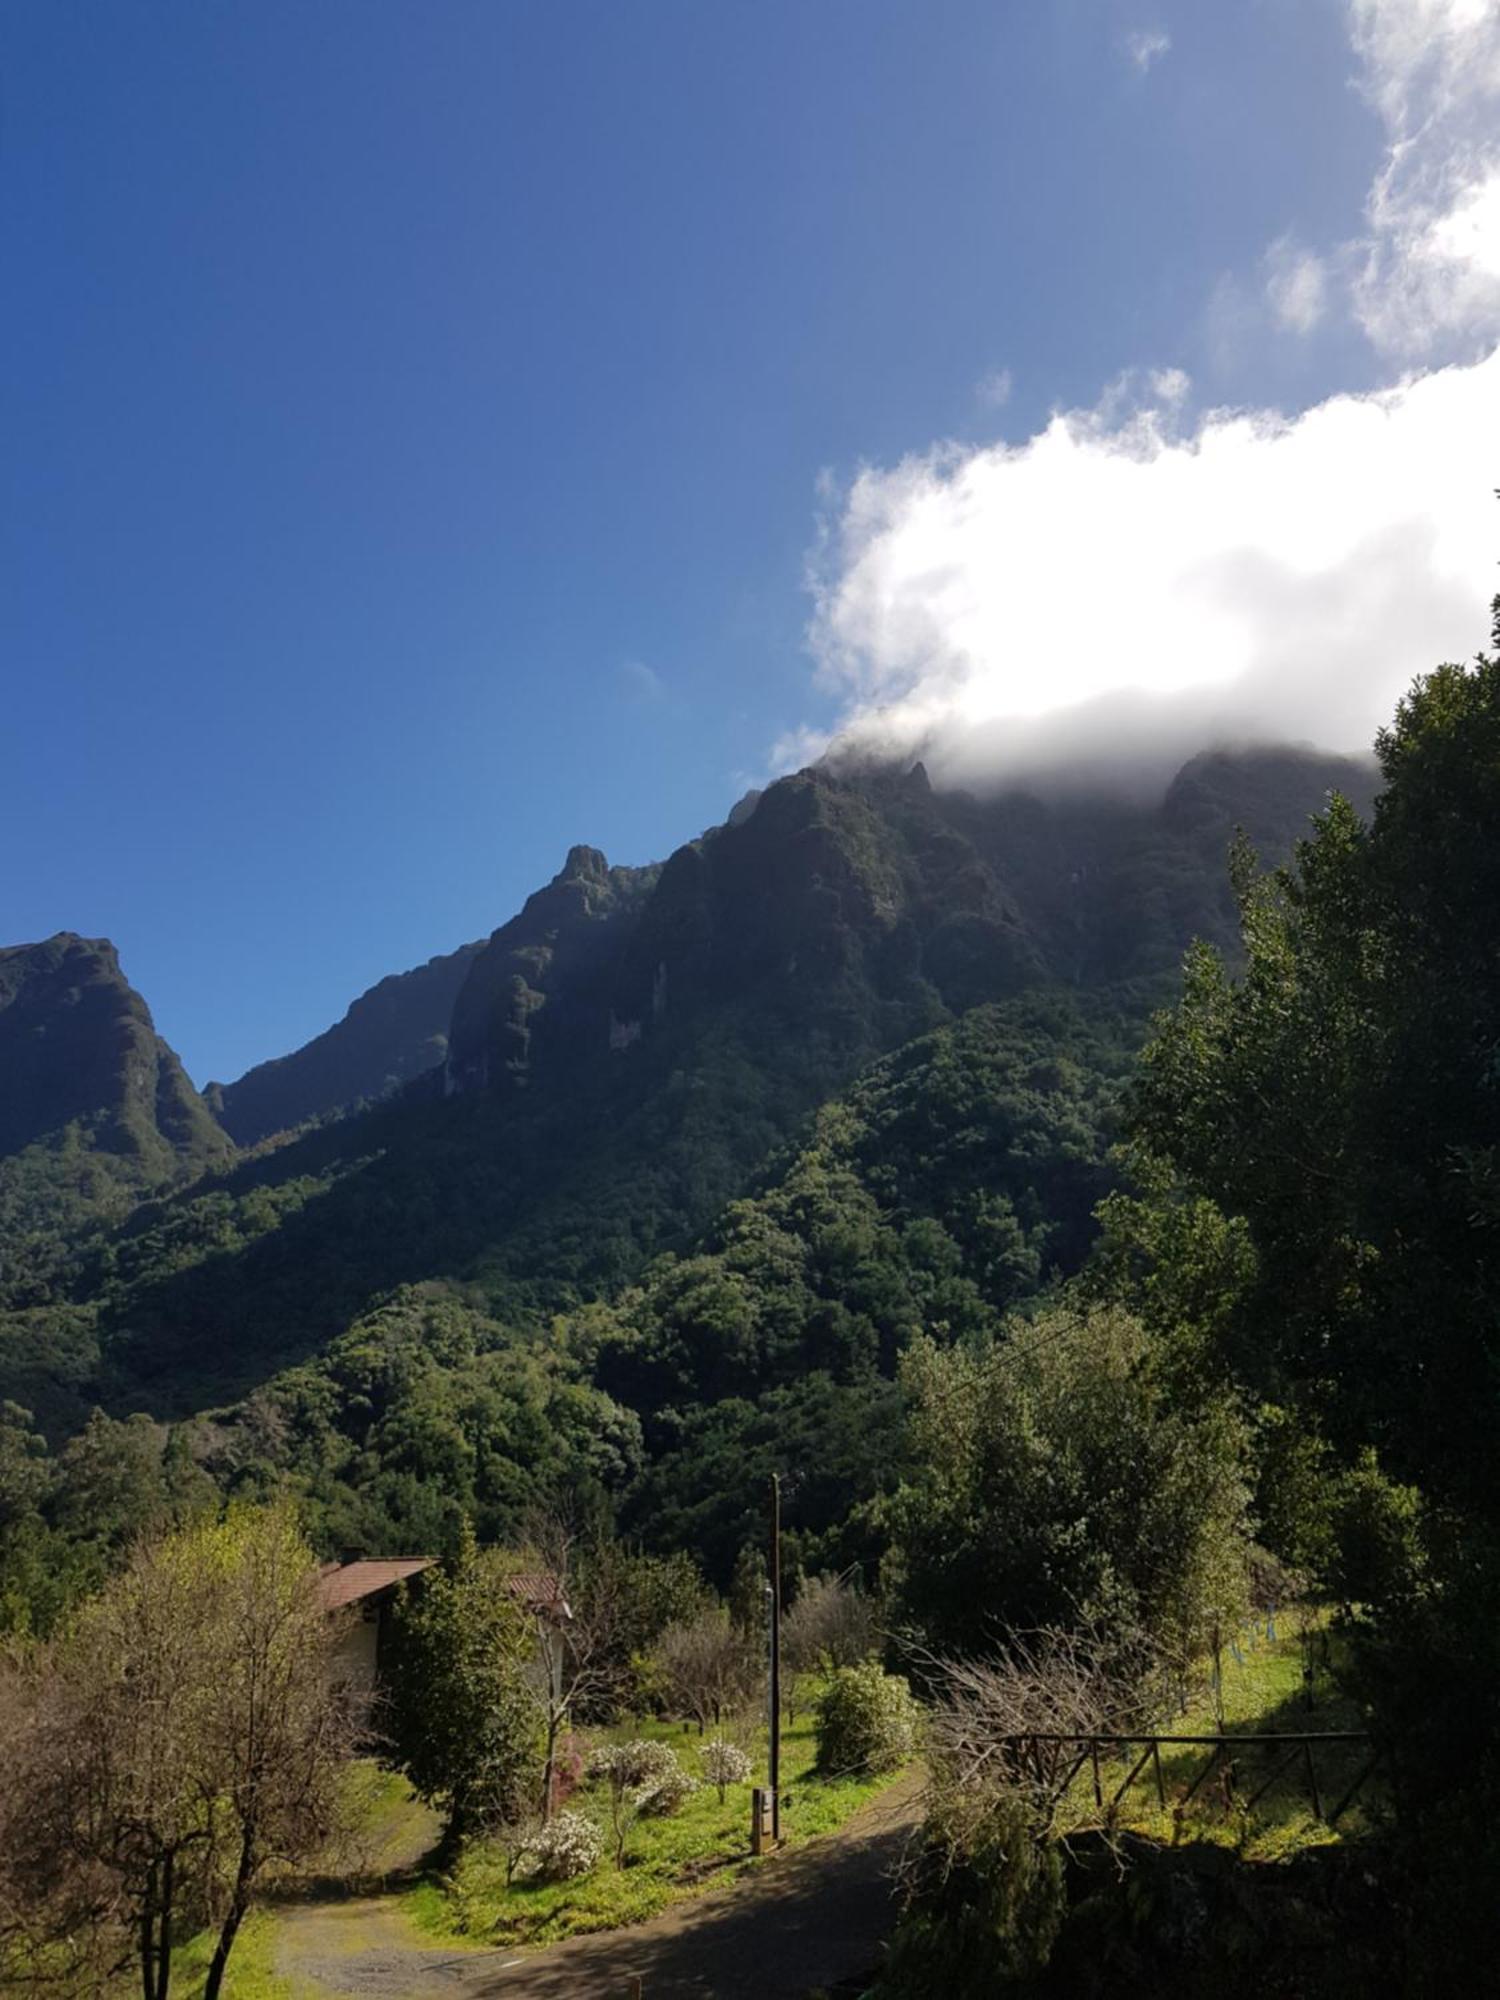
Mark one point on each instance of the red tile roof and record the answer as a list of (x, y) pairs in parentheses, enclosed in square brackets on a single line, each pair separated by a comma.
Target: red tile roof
[(347, 1583), (540, 1592)]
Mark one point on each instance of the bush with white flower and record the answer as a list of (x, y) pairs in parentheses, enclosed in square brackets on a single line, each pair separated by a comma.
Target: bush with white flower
[(565, 1848), (644, 1780), (725, 1764)]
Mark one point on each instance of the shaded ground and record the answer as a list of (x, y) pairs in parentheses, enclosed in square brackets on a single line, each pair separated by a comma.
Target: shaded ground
[(809, 1918)]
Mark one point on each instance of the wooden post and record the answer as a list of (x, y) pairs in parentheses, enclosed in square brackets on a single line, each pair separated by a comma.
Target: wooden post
[(1312, 1783), (773, 1770)]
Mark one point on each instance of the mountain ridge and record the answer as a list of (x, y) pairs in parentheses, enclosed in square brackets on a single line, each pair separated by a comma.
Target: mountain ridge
[(78, 1048), (633, 1047), (392, 1032)]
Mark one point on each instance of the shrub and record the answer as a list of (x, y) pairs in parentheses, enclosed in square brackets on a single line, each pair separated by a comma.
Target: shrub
[(644, 1779), (565, 1848), (725, 1764), (985, 1902), (665, 1794), (638, 1766), (866, 1721)]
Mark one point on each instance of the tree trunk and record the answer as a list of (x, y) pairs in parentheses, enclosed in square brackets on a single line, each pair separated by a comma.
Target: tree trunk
[(549, 1768), (239, 1902), (164, 1937), (148, 1935)]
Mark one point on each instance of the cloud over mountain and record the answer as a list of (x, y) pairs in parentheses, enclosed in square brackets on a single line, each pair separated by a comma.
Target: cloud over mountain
[(1118, 595), (1128, 584)]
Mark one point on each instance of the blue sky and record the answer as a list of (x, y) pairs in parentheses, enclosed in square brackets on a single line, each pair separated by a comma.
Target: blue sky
[(417, 420)]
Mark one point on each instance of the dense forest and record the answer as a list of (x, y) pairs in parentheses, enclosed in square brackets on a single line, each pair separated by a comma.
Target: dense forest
[(879, 1140)]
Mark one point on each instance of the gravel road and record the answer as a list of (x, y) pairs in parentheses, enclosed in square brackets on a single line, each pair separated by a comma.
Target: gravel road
[(811, 1917)]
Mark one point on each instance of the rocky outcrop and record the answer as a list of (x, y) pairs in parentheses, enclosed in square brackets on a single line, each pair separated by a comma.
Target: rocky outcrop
[(79, 1054), (541, 986), (860, 909)]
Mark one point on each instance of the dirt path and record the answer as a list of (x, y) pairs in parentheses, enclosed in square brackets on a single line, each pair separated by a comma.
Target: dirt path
[(809, 1918)]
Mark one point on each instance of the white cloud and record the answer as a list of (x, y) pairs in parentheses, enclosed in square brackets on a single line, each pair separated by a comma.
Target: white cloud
[(1297, 285), (641, 683), (1426, 279), (1111, 595), (1171, 385), (994, 389), (1132, 583), (1147, 46)]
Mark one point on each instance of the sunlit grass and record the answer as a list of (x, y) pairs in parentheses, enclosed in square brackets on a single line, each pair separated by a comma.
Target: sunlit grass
[(702, 1846), (251, 1972), (1263, 1690)]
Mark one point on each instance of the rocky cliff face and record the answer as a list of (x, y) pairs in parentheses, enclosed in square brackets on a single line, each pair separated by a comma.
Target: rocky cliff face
[(396, 1031), (862, 909), (79, 1053), (543, 983)]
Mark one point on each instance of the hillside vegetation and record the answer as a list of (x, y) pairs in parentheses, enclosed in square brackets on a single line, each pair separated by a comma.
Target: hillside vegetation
[(1087, 1309)]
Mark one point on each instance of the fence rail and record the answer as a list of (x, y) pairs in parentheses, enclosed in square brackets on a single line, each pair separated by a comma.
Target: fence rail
[(1286, 1751)]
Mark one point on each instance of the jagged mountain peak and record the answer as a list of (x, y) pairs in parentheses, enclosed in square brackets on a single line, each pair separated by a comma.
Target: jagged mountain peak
[(79, 1051)]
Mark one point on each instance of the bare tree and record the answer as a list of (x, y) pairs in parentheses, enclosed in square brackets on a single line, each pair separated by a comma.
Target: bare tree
[(66, 1920), (711, 1667), (991, 1720), (575, 1594), (184, 1734), (831, 1625)]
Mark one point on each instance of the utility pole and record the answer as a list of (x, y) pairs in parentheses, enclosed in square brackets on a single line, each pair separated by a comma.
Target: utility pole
[(774, 1761)]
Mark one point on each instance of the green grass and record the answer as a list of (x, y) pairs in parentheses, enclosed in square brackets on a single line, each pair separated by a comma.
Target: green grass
[(250, 1974), (699, 1847), (1263, 1691)]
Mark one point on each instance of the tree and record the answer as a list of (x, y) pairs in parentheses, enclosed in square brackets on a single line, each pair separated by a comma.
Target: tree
[(831, 1625), (726, 1764), (1338, 1104), (1052, 1479), (180, 1737), (463, 1712), (581, 1619), (1338, 1100), (642, 1778), (710, 1666), (276, 1735)]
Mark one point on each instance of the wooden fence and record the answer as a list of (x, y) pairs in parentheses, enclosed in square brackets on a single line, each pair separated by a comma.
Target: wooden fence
[(1253, 1759)]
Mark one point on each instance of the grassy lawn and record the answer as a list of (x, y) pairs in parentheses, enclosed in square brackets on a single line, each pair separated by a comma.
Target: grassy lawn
[(699, 1847), (251, 1971), (1263, 1690)]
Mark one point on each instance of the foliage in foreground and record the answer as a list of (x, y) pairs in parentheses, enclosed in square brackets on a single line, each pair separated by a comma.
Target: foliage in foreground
[(180, 1740)]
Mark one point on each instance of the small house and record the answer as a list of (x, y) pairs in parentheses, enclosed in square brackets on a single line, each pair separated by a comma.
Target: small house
[(367, 1585)]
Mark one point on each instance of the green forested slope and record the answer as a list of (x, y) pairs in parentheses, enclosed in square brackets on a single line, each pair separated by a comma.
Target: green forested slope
[(711, 1143), (95, 1109)]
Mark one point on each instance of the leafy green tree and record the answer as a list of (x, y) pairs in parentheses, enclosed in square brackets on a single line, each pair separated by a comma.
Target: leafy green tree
[(464, 1726), (1338, 1102), (1341, 1098), (180, 1737), (1051, 1481)]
